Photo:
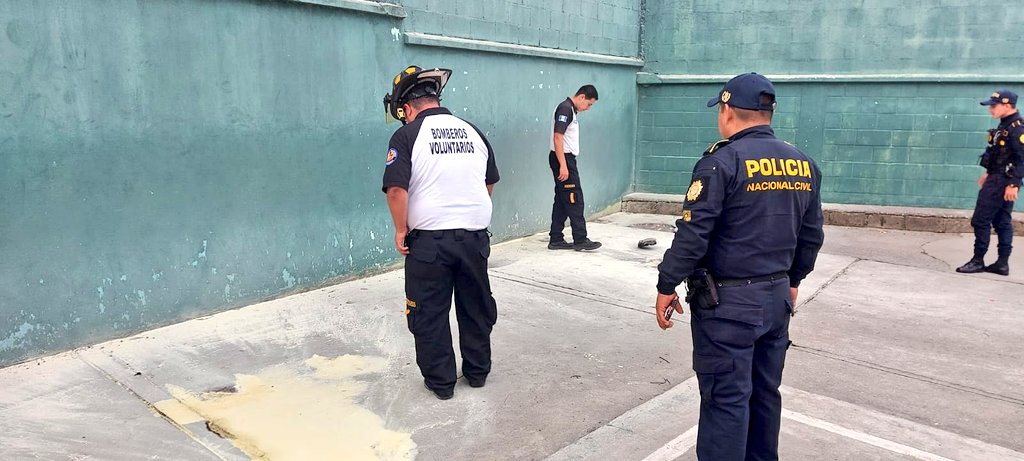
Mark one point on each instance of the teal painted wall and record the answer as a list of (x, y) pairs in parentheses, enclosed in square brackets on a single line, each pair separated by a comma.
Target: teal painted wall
[(610, 27), (889, 141), (811, 36), (165, 160), (880, 144)]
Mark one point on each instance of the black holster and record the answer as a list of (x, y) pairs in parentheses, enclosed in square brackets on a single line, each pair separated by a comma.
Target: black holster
[(701, 292)]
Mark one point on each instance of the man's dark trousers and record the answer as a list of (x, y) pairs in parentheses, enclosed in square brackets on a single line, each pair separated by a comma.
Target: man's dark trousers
[(568, 202), (992, 211), (739, 349), (439, 264)]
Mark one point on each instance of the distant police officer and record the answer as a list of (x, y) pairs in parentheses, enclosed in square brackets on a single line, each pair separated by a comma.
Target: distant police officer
[(750, 232), (1004, 165), (439, 176), (565, 147)]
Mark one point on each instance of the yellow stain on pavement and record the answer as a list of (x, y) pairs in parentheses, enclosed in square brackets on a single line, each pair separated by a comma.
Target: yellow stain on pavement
[(284, 414)]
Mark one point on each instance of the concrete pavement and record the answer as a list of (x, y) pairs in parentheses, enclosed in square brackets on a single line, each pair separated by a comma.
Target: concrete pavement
[(894, 357)]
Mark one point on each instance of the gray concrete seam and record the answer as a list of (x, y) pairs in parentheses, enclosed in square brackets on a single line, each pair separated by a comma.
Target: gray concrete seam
[(150, 393)]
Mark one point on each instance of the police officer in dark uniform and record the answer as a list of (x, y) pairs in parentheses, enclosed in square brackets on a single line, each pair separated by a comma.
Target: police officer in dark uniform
[(750, 231), (1004, 165), (439, 176)]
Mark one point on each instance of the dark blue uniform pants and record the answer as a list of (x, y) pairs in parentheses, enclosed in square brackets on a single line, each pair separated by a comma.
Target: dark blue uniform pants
[(439, 264), (568, 202), (739, 349), (992, 211)]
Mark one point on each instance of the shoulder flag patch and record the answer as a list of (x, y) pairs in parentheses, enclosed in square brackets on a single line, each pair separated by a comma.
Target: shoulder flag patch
[(563, 118), (392, 156), (716, 145), (696, 190)]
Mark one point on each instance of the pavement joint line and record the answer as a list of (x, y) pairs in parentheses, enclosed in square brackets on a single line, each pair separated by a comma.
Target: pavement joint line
[(676, 448), (568, 291), (819, 352), (869, 439), (832, 279), (634, 422), (911, 266), (188, 433), (925, 252), (908, 374)]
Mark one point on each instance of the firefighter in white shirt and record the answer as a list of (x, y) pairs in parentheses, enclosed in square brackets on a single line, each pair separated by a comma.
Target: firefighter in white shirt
[(439, 176)]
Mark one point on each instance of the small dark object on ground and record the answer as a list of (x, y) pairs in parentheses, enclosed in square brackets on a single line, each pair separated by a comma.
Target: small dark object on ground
[(647, 242)]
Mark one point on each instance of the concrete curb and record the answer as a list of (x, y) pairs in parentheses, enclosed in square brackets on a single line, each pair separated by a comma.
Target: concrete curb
[(836, 214)]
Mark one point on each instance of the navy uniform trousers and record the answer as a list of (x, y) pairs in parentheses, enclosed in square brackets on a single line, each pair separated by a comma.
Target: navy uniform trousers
[(992, 211), (739, 349), (568, 202), (440, 264)]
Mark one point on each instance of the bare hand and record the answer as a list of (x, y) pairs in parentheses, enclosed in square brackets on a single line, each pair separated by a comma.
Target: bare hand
[(792, 293), (981, 180), (400, 242), (563, 173), (1010, 194), (663, 304)]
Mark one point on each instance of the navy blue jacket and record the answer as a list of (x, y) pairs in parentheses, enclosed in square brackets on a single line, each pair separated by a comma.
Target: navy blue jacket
[(1006, 150), (753, 208)]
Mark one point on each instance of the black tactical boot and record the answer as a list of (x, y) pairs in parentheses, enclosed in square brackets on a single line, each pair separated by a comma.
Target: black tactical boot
[(1001, 267), (973, 266)]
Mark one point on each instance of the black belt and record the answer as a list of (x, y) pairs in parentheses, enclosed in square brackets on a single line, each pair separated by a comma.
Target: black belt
[(751, 280), (457, 234)]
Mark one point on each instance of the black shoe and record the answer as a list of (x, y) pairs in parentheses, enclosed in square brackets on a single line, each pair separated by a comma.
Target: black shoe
[(586, 245), (563, 245), (972, 267), (1000, 268), (476, 382), (439, 394)]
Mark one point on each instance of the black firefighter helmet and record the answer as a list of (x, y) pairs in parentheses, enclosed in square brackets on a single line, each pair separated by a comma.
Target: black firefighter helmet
[(412, 83)]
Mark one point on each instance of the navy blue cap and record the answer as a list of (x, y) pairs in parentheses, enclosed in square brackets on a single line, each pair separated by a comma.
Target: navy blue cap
[(1001, 97), (744, 91)]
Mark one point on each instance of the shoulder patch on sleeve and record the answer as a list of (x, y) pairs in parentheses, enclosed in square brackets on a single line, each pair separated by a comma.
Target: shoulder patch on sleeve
[(392, 156), (697, 190), (563, 118), (716, 145)]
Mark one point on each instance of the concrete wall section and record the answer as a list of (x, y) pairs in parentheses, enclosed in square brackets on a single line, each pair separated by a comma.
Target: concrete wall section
[(912, 144), (165, 160), (609, 27), (885, 96), (810, 36)]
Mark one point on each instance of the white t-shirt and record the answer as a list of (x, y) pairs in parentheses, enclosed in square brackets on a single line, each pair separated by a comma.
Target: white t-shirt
[(446, 164), (565, 122)]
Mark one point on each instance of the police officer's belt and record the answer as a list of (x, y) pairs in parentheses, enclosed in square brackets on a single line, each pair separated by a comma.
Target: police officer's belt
[(751, 280)]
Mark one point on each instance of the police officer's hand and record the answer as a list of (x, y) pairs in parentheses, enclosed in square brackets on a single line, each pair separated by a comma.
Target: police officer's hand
[(981, 180), (664, 303), (400, 242), (1010, 195), (563, 173), (792, 293)]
